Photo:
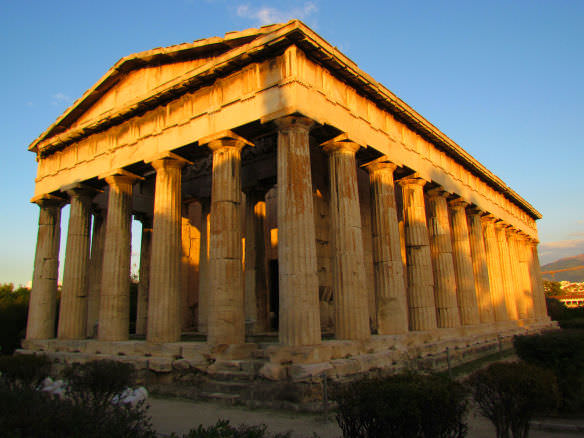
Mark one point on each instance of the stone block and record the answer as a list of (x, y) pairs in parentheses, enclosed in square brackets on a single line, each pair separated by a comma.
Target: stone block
[(368, 362), (272, 371), (160, 364), (170, 350), (304, 372), (181, 365), (36, 344), (235, 351), (70, 346), (195, 352), (140, 363), (300, 355), (346, 367)]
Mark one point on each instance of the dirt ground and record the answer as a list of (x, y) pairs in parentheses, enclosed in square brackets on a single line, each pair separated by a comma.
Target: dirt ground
[(179, 416)]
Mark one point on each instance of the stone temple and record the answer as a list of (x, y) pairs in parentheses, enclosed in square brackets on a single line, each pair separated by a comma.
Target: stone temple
[(298, 218)]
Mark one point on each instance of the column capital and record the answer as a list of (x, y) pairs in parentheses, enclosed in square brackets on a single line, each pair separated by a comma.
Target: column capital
[(437, 192), (380, 164), (289, 122), (489, 218), (167, 160), (120, 176), (473, 210), (80, 190), (224, 139), (412, 180), (340, 143), (458, 203), (500, 225), (48, 200)]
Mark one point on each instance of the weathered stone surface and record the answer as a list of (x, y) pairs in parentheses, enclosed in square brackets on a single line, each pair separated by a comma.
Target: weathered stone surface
[(272, 371), (160, 364), (305, 372)]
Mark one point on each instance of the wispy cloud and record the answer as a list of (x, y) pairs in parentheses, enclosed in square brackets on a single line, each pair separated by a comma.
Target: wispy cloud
[(551, 251), (61, 99), (267, 15)]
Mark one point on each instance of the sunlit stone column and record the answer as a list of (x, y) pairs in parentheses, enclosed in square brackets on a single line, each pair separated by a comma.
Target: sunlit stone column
[(144, 275), (73, 309), (114, 307), (494, 266), (391, 299), (43, 296), (204, 268), (514, 258), (442, 262), (299, 315), (420, 284), (226, 319), (95, 271), (479, 265), (506, 275), (525, 274), (350, 292), (538, 292), (256, 289), (463, 267), (164, 322)]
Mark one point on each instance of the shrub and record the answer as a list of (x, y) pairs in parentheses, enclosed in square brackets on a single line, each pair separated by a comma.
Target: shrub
[(509, 394), (403, 405), (222, 429), (98, 382), (87, 411), (24, 370), (13, 311), (562, 352)]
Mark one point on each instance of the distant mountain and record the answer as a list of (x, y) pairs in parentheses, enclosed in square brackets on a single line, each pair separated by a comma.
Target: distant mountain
[(565, 263)]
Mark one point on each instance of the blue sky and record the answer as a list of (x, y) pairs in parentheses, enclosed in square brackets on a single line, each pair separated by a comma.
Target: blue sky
[(503, 79)]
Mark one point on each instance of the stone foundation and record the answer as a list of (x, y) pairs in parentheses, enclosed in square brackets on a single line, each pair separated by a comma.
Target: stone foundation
[(275, 375)]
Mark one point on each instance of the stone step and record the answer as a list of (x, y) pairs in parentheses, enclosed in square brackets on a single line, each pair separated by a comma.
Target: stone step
[(227, 387), (233, 376), (220, 396)]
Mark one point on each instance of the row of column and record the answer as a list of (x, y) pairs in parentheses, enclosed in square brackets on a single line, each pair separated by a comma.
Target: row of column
[(463, 267)]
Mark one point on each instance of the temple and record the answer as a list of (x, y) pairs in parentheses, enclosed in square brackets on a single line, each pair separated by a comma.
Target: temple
[(296, 215)]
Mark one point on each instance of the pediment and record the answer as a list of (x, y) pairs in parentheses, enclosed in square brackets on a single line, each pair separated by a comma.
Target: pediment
[(136, 86)]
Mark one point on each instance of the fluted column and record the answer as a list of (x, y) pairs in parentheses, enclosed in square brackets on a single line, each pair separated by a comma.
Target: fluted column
[(144, 284), (299, 315), (495, 272), (506, 274), (538, 292), (256, 288), (114, 304), (349, 289), (514, 258), (95, 271), (43, 296), (420, 284), (390, 289), (164, 322), (204, 268), (226, 323), (525, 275), (479, 265), (73, 309), (442, 261), (463, 268)]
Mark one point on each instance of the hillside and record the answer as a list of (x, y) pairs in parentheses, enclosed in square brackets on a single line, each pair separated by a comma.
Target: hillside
[(565, 263)]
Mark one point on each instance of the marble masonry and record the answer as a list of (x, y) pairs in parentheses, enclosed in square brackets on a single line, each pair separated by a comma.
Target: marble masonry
[(297, 219)]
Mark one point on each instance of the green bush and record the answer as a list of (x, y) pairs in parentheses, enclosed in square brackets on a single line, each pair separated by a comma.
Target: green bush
[(13, 312), (509, 394), (24, 370), (404, 405), (222, 429), (87, 411), (97, 382), (562, 352)]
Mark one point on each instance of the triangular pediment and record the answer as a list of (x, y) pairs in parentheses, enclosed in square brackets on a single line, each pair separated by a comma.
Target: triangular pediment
[(138, 76)]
